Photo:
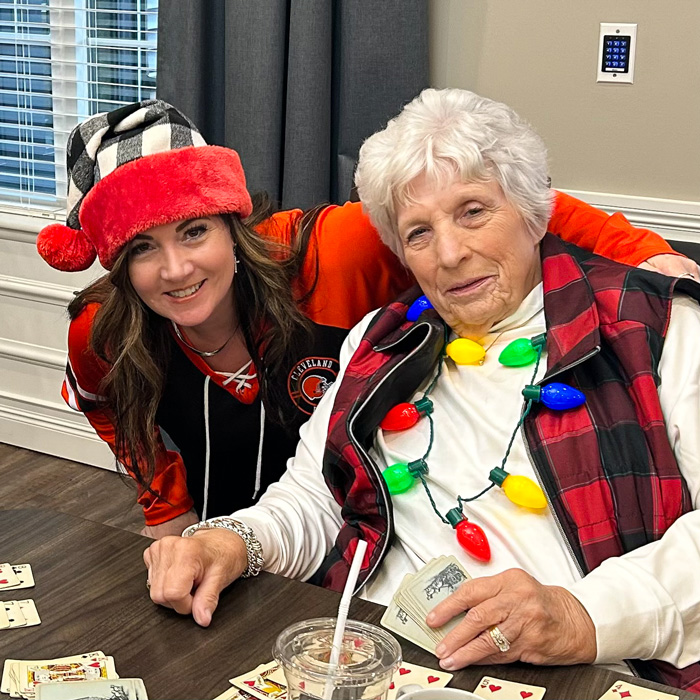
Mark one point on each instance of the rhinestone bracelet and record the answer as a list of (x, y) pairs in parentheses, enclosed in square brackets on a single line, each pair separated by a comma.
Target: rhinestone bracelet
[(252, 544)]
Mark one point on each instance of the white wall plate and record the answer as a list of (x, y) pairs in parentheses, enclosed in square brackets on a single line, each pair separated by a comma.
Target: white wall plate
[(617, 46)]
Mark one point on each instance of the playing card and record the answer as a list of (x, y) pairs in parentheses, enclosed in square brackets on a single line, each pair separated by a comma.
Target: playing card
[(15, 679), (407, 599), (28, 609), (436, 582), (499, 689), (628, 691), (398, 620), (11, 668), (24, 575), (111, 689), (8, 577), (83, 668), (4, 620), (32, 674), (412, 674), (417, 595), (5, 682), (407, 602), (12, 678), (265, 681), (14, 613)]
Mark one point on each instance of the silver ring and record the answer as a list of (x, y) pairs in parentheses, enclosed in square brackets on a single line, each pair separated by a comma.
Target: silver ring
[(499, 639), (687, 274)]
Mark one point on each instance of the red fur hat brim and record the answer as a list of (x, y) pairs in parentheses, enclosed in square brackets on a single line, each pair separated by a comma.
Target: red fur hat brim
[(158, 189)]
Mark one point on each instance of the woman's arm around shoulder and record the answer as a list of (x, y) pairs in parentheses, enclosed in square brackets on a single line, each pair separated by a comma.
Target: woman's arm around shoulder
[(612, 236), (354, 272)]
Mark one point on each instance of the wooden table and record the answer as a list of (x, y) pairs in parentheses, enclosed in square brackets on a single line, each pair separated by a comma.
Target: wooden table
[(91, 594)]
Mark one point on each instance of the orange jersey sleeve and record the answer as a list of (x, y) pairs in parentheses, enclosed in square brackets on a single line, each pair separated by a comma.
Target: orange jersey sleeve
[(610, 236), (353, 271), (80, 390)]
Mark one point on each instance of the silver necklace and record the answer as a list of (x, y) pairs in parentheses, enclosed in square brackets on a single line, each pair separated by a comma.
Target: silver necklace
[(203, 353)]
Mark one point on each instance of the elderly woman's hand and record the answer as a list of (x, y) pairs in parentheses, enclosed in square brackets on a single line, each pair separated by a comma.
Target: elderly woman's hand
[(187, 574), (544, 624), (671, 265)]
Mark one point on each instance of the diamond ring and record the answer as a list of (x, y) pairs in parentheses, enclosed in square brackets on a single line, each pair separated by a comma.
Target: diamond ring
[(499, 639)]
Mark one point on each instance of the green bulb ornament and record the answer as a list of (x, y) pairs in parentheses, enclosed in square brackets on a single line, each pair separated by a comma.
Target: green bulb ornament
[(522, 351), (400, 477)]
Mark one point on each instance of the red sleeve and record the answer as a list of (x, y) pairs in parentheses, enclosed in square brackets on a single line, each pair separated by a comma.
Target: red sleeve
[(610, 236), (84, 373), (357, 273)]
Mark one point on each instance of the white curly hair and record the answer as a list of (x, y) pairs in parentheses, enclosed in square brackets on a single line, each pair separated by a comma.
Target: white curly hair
[(448, 134)]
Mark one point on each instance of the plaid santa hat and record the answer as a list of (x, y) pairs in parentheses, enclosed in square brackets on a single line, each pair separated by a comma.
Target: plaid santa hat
[(140, 166)]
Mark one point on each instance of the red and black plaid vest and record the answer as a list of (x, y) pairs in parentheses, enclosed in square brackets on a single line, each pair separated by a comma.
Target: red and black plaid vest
[(606, 325)]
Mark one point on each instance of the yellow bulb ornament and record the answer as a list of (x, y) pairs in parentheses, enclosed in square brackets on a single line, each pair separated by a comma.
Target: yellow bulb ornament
[(520, 490), (465, 352)]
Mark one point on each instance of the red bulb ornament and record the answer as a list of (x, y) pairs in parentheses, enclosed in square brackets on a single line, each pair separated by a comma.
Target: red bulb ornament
[(401, 417), (405, 415), (470, 536)]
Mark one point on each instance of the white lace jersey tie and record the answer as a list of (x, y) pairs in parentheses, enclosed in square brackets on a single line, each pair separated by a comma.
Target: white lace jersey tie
[(242, 378)]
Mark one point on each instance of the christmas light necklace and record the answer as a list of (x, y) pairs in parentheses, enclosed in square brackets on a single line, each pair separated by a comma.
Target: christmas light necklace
[(520, 490)]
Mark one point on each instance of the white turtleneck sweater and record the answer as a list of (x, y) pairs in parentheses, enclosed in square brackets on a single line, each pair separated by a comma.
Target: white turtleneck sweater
[(643, 604)]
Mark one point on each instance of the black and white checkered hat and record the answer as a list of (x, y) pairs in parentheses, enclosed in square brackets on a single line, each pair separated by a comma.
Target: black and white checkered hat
[(140, 166)]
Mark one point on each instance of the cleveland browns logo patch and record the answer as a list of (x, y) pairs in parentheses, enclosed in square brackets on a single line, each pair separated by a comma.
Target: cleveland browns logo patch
[(309, 381)]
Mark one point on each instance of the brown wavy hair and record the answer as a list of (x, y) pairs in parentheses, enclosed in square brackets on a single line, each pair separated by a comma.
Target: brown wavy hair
[(135, 341)]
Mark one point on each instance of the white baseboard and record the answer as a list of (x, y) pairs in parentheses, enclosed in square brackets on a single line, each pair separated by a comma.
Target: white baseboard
[(33, 298), (674, 219), (35, 290), (32, 354), (48, 427)]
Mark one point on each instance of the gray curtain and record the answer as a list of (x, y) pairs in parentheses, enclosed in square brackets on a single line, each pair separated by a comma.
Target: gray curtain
[(294, 86)]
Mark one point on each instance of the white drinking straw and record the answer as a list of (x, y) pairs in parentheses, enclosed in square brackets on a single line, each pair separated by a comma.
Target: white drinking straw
[(343, 609)]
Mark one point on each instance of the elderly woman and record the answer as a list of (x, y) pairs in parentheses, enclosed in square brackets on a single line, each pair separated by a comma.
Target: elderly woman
[(538, 358)]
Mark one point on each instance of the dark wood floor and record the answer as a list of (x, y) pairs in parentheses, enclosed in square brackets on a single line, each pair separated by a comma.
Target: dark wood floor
[(34, 480)]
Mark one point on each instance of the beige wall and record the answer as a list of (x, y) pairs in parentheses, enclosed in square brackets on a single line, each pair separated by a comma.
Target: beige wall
[(540, 57)]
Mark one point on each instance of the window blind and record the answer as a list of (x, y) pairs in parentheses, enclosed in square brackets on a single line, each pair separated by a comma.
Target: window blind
[(62, 61)]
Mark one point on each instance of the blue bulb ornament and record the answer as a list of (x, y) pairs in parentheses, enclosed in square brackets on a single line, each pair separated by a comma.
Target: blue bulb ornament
[(417, 308), (557, 396)]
